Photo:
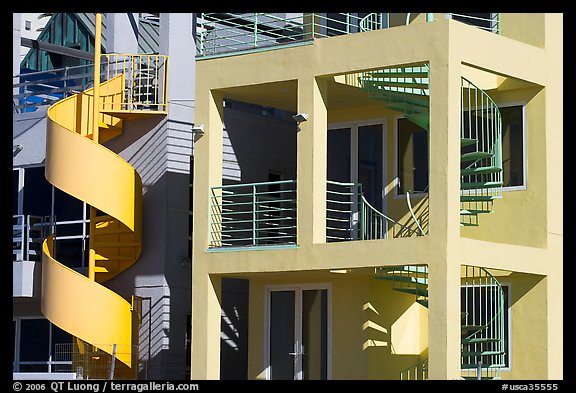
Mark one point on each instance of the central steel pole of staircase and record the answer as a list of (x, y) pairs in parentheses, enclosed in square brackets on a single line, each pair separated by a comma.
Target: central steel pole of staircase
[(95, 117)]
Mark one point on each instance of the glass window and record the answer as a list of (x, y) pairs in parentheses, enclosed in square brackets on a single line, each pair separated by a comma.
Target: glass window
[(412, 157), (339, 155), (37, 192), (34, 340), (370, 162), (66, 207), (37, 344), (512, 145)]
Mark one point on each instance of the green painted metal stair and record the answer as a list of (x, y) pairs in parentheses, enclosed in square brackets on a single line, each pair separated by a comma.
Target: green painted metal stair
[(482, 318), (406, 89)]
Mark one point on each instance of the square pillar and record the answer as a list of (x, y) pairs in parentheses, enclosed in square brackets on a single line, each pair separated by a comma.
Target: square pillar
[(207, 165), (444, 263), (206, 317), (206, 308), (554, 115), (311, 161)]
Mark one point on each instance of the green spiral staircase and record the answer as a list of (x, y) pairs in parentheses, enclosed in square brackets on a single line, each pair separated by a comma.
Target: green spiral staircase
[(482, 317), (406, 90)]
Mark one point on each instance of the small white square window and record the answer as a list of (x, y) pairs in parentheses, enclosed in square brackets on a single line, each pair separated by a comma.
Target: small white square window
[(28, 25)]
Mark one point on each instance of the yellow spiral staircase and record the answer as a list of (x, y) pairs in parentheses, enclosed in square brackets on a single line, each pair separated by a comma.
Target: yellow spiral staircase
[(103, 323)]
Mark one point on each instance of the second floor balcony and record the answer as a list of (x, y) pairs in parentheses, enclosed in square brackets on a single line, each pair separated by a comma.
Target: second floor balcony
[(225, 34)]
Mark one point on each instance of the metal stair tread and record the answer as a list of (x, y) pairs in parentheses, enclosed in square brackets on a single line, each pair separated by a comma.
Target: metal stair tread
[(480, 170), (477, 198), (399, 73), (410, 84), (404, 268), (475, 155), (472, 328), (481, 353), (467, 141), (474, 211), (477, 185), (467, 366), (407, 279), (414, 291), (479, 340), (99, 257)]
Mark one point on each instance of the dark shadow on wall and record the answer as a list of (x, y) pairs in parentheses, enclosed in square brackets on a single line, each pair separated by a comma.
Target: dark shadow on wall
[(234, 329)]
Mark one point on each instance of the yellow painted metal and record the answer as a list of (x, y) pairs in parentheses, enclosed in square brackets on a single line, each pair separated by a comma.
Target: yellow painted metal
[(83, 307), (79, 166), (95, 130)]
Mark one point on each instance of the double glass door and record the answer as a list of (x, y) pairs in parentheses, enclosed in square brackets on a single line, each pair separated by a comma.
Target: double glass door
[(356, 154), (297, 337)]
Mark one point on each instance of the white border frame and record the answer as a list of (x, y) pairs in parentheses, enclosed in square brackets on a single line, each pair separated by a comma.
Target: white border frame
[(298, 288)]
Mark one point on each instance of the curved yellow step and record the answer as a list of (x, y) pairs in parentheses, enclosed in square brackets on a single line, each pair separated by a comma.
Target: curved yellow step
[(94, 174), (83, 307)]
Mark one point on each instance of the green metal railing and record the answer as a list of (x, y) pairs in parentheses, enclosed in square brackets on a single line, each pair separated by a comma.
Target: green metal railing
[(491, 23), (342, 213), (417, 372), (483, 345), (253, 214), (411, 279), (403, 89), (221, 34), (349, 216), (481, 141)]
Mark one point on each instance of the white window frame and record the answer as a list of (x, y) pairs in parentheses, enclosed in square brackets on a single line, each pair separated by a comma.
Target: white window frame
[(524, 186)]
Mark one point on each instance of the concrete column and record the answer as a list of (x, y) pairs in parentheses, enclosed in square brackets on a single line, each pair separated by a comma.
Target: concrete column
[(206, 316), (555, 183), (206, 290), (444, 263), (122, 31), (311, 161)]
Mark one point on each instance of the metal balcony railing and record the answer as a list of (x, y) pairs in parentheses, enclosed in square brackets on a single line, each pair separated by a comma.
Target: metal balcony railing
[(28, 232), (145, 83), (221, 34), (39, 88), (253, 214)]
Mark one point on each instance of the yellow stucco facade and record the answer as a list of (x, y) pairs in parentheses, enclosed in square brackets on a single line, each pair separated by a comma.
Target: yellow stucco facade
[(375, 332)]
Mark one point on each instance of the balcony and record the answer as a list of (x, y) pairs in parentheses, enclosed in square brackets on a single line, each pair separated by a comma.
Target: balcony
[(263, 215), (253, 215), (224, 34)]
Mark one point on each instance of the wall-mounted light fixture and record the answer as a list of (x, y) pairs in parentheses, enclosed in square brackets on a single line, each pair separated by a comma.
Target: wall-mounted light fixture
[(300, 117), (16, 149), (199, 129)]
